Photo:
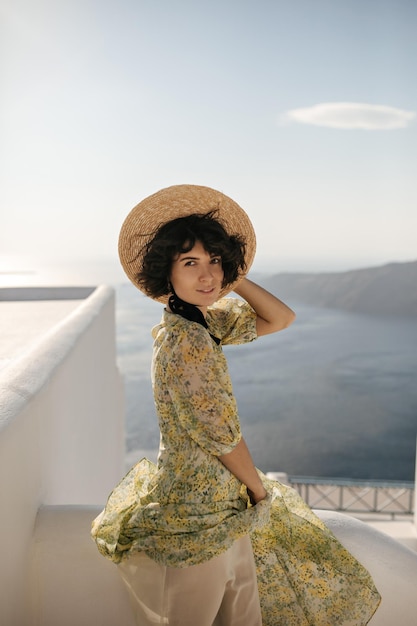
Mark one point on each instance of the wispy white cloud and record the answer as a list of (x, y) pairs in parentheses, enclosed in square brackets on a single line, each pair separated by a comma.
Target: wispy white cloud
[(352, 115)]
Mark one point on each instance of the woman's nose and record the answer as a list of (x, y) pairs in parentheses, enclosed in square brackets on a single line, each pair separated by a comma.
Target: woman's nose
[(206, 272)]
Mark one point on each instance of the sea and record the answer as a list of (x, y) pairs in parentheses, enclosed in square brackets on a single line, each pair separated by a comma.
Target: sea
[(334, 395)]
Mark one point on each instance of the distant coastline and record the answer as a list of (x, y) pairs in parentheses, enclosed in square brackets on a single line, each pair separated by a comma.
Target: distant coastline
[(389, 289)]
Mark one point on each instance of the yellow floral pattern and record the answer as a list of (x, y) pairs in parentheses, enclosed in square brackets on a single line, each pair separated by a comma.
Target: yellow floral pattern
[(190, 508)]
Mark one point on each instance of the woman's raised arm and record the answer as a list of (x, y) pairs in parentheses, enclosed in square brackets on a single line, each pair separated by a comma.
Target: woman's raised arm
[(273, 314)]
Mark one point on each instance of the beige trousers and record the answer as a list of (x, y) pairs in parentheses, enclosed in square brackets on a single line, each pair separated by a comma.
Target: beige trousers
[(219, 592)]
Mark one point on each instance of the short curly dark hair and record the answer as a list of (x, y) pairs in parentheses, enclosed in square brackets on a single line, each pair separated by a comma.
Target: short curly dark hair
[(179, 236)]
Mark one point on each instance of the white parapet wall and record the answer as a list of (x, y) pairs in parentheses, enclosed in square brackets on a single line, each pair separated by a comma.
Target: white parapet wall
[(61, 434)]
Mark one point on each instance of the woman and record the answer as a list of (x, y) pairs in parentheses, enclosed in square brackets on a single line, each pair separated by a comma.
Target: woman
[(204, 538)]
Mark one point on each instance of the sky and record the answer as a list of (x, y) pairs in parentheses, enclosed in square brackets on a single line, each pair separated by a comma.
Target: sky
[(302, 111)]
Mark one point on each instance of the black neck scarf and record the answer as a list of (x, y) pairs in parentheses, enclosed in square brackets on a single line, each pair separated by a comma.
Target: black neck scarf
[(189, 312)]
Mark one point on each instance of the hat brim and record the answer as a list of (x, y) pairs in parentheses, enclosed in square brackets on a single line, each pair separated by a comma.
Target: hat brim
[(147, 217)]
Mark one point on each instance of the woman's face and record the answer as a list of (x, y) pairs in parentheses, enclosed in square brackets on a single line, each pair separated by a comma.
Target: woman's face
[(197, 277)]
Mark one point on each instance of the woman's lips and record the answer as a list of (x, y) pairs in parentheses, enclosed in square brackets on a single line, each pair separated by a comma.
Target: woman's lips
[(206, 291)]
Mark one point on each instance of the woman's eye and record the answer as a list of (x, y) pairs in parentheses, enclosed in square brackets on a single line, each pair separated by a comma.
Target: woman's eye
[(216, 260)]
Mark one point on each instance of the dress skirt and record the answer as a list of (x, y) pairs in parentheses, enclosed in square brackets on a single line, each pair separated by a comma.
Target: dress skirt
[(305, 577)]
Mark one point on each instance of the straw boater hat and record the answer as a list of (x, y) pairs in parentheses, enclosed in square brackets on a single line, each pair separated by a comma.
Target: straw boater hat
[(145, 219)]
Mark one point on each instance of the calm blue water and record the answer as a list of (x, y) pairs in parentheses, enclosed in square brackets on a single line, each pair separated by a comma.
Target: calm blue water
[(334, 395)]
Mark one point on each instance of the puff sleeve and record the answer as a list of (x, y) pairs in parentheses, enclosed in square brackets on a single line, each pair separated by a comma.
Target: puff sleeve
[(202, 392), (233, 321)]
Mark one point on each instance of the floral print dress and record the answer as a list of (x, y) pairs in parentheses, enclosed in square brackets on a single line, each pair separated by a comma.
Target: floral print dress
[(190, 508)]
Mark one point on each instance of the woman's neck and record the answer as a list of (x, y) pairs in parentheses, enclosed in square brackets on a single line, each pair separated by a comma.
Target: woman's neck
[(189, 311)]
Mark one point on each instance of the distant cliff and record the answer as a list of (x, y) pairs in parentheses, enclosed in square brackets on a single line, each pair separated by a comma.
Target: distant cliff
[(387, 290)]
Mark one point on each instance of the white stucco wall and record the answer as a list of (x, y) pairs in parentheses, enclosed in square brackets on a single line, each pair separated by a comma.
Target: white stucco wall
[(61, 433)]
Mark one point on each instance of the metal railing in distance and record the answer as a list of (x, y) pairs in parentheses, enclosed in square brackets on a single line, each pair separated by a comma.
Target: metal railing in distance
[(356, 496)]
